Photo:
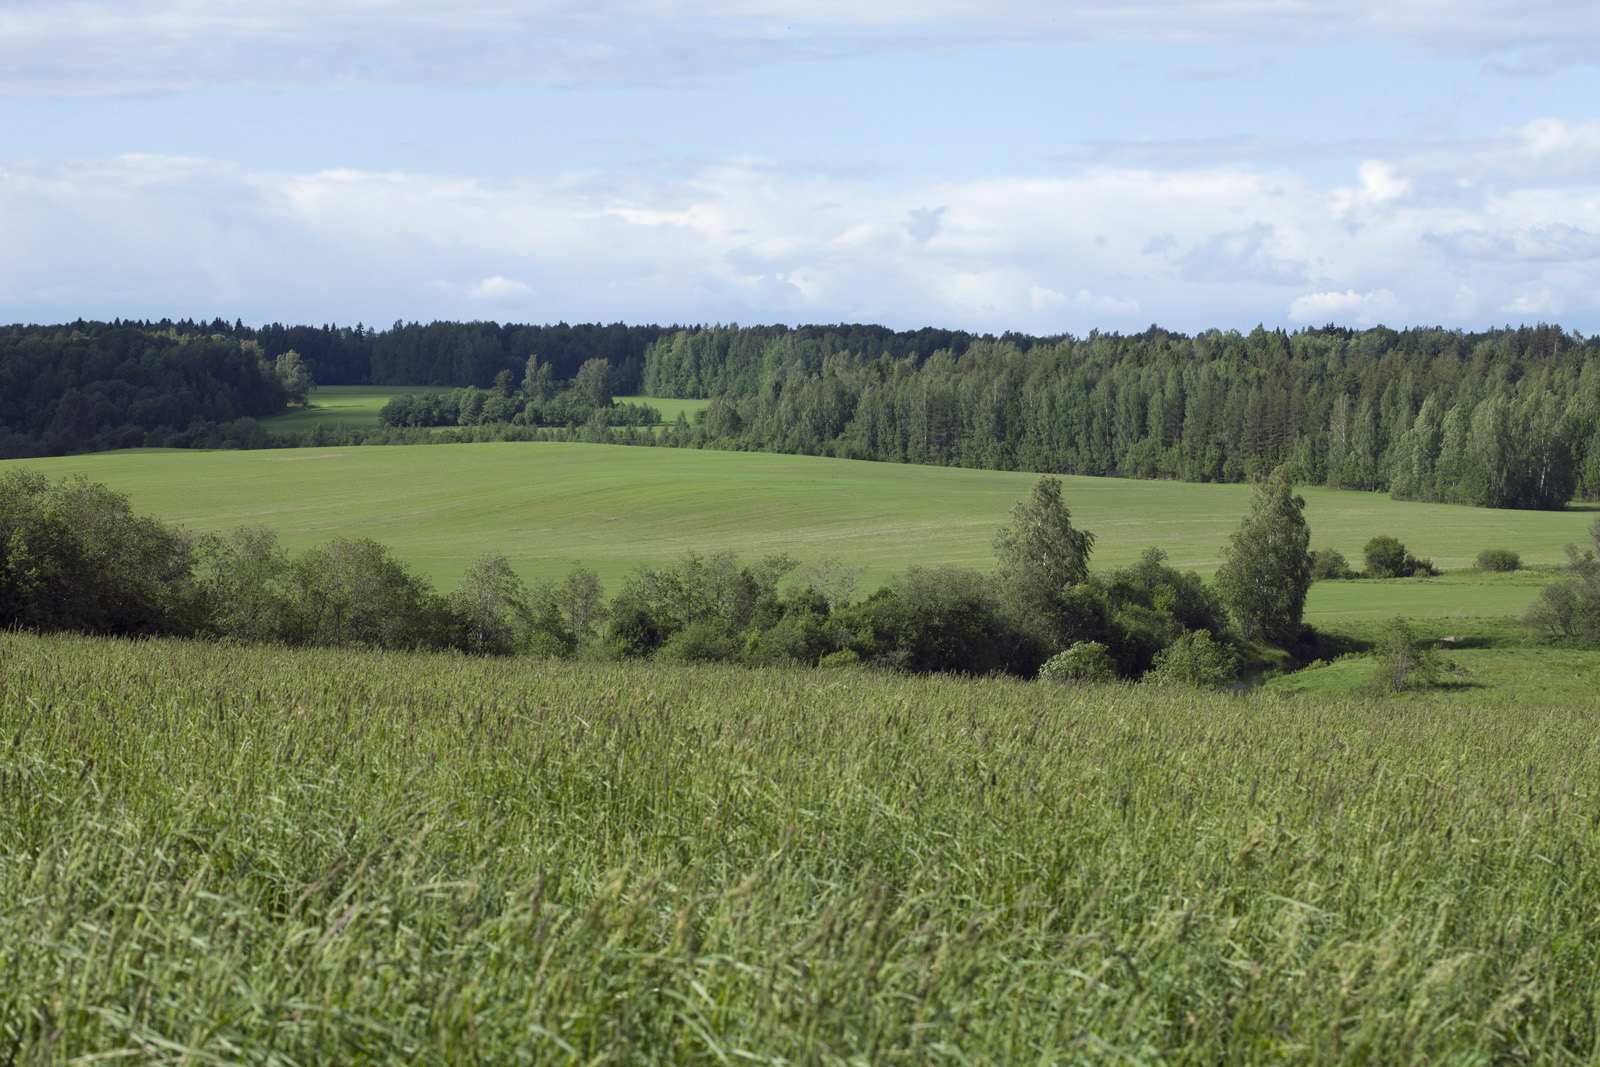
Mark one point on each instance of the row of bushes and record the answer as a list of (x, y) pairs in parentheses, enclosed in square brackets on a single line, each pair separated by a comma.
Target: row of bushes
[(74, 556), (1385, 557)]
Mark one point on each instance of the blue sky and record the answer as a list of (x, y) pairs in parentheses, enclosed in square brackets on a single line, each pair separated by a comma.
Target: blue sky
[(990, 167)]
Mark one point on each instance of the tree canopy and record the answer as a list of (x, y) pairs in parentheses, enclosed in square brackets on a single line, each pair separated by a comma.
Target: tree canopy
[(1267, 570)]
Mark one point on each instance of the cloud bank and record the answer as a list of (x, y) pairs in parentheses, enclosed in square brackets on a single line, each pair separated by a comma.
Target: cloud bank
[(100, 48), (1410, 239)]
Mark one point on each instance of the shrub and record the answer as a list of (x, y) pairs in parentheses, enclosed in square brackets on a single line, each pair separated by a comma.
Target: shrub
[(1329, 563), (1570, 606), (846, 657), (1499, 560), (1386, 557), (1194, 660), (701, 641), (1085, 661), (1404, 661)]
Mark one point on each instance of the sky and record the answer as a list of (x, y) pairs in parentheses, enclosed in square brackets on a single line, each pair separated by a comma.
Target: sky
[(1048, 168)]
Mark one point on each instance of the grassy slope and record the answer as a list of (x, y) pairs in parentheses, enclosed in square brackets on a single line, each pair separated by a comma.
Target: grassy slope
[(549, 506), (217, 854), (1485, 661)]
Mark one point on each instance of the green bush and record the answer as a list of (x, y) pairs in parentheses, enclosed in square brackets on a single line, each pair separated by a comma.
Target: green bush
[(1386, 557), (1195, 660), (1085, 661), (1329, 563), (1499, 560), (1404, 660)]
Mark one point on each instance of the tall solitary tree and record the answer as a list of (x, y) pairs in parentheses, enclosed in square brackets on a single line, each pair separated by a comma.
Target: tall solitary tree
[(1267, 572), (1039, 558), (295, 376), (593, 380)]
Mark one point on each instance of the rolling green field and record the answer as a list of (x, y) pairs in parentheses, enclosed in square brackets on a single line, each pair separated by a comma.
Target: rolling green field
[(352, 405), (551, 506), (223, 854)]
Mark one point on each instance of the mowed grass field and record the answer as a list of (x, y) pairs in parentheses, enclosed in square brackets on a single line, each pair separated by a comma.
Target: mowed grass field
[(551, 506)]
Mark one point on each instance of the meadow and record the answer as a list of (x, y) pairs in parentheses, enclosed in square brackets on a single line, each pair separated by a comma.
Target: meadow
[(550, 506), (333, 405), (217, 854), (358, 406)]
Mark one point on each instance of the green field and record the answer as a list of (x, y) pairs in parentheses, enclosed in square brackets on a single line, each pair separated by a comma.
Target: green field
[(332, 405), (219, 854), (550, 506), (669, 408), (358, 406)]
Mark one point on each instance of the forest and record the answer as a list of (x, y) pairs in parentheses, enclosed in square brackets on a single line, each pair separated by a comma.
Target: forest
[(1506, 418)]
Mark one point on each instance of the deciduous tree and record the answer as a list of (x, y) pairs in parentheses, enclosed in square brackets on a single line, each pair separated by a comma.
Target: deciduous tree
[(1038, 560), (1267, 572)]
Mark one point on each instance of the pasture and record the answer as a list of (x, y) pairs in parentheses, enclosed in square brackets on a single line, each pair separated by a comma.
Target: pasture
[(669, 408), (218, 854), (550, 506), (333, 405), (358, 406)]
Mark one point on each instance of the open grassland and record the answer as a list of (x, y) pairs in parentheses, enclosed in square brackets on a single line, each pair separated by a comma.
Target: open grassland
[(550, 506), (213, 854), (331, 405)]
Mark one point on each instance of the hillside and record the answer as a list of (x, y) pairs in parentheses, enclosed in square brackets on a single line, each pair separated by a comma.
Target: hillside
[(548, 506)]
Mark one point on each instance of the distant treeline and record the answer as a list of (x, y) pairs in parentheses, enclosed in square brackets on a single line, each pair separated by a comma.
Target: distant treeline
[(64, 389), (1505, 418)]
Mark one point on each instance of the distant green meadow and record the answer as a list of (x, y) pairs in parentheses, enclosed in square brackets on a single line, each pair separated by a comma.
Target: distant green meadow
[(358, 406), (550, 506), (331, 405)]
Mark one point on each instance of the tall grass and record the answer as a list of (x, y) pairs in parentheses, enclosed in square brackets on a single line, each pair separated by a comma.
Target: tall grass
[(218, 855)]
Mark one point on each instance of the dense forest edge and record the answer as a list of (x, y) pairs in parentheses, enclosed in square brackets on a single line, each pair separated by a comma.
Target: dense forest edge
[(1505, 418)]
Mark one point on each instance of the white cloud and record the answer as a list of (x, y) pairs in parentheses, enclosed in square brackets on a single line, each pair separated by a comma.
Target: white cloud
[(1542, 302), (750, 241), (105, 47), (498, 288), (1380, 181), (1042, 299), (1361, 309)]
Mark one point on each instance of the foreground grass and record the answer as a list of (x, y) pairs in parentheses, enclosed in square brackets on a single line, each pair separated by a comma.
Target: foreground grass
[(548, 506), (213, 854)]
